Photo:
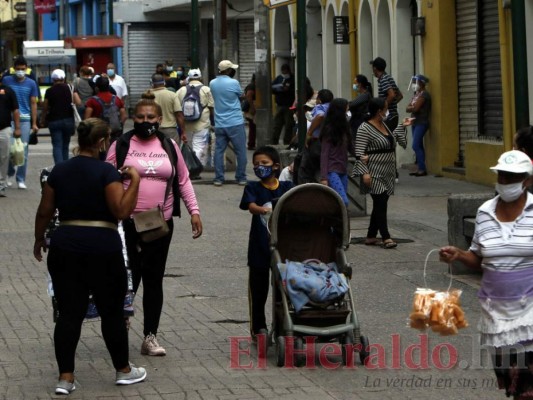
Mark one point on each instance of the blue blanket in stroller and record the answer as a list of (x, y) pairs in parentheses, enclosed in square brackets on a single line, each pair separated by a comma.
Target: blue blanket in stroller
[(316, 282)]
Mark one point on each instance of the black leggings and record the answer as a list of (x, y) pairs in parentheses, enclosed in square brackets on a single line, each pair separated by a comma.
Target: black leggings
[(147, 262), (258, 285), (378, 218), (73, 276)]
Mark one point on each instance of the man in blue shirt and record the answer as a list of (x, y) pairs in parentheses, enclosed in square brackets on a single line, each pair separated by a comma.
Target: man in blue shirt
[(229, 122), (27, 93)]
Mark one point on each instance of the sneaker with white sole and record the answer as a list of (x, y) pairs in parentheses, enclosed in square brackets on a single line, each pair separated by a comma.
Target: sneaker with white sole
[(128, 378), (22, 185), (9, 181), (150, 347), (65, 387)]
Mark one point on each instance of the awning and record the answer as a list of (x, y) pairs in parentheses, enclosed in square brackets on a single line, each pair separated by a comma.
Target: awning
[(93, 42)]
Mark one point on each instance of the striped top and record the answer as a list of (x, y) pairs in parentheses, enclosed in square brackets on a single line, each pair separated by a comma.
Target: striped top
[(386, 82), (382, 157), (506, 293)]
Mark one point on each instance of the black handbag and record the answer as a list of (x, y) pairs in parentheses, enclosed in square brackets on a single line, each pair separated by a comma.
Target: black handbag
[(34, 139), (194, 165)]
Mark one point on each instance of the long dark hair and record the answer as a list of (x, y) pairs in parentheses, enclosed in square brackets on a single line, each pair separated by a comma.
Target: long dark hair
[(362, 80), (336, 127), (375, 105)]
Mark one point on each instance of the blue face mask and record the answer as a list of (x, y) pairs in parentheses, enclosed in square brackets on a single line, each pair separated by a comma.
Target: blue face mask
[(180, 73), (263, 171), (355, 87), (111, 72)]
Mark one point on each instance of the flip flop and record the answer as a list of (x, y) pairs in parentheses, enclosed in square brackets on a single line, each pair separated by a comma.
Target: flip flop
[(389, 244)]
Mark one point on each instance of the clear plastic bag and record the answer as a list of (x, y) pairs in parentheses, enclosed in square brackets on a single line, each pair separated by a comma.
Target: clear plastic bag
[(440, 311), (16, 152)]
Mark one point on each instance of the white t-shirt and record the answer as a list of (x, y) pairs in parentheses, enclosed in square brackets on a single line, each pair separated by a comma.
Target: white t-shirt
[(119, 84)]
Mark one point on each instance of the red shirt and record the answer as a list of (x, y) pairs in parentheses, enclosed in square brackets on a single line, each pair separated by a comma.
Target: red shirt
[(106, 98)]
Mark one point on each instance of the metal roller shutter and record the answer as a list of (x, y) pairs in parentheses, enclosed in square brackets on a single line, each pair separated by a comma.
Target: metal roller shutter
[(467, 65), (148, 45), (491, 106), (246, 51)]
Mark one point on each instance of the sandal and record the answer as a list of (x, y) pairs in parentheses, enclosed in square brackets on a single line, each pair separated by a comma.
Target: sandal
[(371, 241), (389, 244)]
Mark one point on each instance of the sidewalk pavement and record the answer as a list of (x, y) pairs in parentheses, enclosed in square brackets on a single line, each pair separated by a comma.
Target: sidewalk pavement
[(206, 304)]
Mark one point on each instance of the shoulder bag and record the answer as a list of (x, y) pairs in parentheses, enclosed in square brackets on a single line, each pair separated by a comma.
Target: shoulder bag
[(77, 118)]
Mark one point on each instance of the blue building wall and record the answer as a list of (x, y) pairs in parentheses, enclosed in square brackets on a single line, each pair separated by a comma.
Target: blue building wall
[(91, 23)]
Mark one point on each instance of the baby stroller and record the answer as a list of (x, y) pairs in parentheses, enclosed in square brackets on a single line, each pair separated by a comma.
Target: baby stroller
[(311, 222)]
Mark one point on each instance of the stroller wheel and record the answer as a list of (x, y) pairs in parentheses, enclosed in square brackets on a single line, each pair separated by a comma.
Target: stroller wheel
[(347, 341), (363, 353), (280, 351)]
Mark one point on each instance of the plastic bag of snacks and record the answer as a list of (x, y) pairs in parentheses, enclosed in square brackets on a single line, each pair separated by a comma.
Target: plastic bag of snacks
[(440, 311)]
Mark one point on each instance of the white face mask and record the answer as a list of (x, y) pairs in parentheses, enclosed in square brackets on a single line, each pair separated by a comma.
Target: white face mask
[(348, 115), (510, 192), (416, 87), (386, 115), (19, 73), (355, 87)]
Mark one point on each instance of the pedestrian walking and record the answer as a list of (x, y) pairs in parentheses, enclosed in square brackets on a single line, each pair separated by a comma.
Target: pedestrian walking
[(27, 93), (258, 198), (420, 108), (249, 114), (9, 118), (117, 82), (170, 107), (57, 114), (283, 88), (164, 180), (359, 105), (387, 90), (335, 142), (83, 88), (375, 147), (197, 129), (309, 166), (229, 121), (85, 251), (502, 249)]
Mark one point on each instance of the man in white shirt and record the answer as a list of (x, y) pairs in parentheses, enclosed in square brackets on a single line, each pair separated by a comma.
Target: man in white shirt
[(197, 132), (117, 82)]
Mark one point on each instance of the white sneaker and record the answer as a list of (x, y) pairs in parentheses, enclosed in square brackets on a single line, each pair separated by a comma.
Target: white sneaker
[(150, 347), (9, 181), (22, 185), (134, 376)]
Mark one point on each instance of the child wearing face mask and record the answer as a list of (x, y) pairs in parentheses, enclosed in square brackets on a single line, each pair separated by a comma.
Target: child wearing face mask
[(257, 198)]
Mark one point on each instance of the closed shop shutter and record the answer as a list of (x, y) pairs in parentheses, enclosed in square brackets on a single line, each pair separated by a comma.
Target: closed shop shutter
[(246, 51), (148, 45), (467, 65), (491, 106)]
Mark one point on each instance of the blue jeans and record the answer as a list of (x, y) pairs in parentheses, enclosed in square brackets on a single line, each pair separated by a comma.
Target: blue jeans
[(60, 131), (418, 145), (25, 128), (237, 136), (339, 183)]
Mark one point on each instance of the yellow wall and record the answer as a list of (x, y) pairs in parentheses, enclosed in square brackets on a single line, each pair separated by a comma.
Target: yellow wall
[(481, 156), (440, 65)]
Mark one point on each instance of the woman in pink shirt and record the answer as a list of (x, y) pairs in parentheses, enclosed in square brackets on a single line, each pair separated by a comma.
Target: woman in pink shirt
[(162, 182)]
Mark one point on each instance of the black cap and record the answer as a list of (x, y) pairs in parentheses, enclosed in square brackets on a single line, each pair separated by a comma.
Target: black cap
[(379, 63)]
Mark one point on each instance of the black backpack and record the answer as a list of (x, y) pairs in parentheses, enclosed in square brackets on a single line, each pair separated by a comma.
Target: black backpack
[(121, 151)]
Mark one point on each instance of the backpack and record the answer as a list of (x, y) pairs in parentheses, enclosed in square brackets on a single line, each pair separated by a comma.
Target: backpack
[(191, 105), (121, 151), (110, 114)]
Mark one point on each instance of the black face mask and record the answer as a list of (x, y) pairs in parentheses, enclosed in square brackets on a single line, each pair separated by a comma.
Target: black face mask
[(145, 129), (232, 73)]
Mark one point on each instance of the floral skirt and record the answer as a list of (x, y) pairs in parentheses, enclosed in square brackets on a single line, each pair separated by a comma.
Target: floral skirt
[(514, 373)]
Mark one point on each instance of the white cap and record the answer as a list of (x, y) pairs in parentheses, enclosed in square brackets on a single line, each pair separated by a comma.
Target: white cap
[(226, 64), (195, 73), (515, 162), (58, 74)]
